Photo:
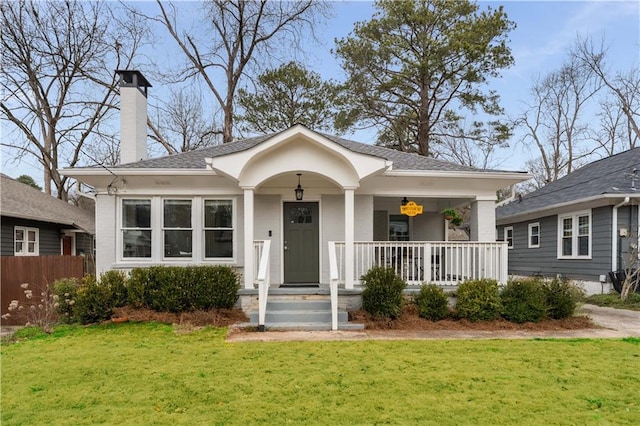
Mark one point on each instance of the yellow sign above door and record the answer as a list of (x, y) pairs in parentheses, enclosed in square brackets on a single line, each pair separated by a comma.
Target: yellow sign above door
[(411, 209)]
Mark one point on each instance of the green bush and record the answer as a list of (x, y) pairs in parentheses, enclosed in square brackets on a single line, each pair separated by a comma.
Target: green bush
[(524, 301), (479, 300), (562, 298), (116, 281), (382, 293), (139, 280), (94, 302), (180, 289), (66, 292), (432, 302)]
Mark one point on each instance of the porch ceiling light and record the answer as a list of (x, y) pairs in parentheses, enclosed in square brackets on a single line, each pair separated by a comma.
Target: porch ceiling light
[(299, 191), (404, 201)]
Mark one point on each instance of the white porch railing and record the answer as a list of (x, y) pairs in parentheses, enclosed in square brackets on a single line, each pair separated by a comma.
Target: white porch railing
[(262, 249), (439, 262), (334, 277)]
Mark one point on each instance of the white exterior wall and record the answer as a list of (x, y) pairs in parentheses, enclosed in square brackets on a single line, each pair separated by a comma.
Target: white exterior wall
[(364, 218), (133, 125), (332, 229), (268, 217), (106, 230), (483, 220)]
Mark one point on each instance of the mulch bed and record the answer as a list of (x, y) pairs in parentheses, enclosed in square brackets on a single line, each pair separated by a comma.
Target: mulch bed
[(408, 321), (214, 317)]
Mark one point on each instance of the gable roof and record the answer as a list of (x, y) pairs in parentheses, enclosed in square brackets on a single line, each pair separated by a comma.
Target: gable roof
[(606, 177), (23, 201), (196, 159)]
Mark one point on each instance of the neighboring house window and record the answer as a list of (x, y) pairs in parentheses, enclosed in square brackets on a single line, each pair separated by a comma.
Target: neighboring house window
[(136, 228), (574, 236), (534, 235), (25, 241), (218, 229), (178, 234), (508, 236)]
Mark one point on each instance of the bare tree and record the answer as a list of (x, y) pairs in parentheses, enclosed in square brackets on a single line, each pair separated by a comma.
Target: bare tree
[(182, 125), (553, 122), (58, 82), (237, 33), (624, 86), (616, 132)]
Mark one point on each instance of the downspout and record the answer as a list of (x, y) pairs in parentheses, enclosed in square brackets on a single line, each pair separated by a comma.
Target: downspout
[(614, 233)]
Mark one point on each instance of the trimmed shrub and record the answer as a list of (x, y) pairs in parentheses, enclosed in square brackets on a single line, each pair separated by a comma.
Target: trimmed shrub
[(139, 280), (562, 297), (479, 300), (432, 302), (524, 301), (66, 290), (181, 289), (382, 292), (116, 281), (93, 301)]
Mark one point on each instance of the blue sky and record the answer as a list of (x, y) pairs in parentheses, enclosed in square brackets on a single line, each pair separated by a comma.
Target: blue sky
[(545, 30)]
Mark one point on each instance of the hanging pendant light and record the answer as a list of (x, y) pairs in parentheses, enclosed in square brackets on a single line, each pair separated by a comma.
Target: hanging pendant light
[(299, 191)]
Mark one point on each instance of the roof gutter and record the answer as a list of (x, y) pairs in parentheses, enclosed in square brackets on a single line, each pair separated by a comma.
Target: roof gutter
[(614, 233)]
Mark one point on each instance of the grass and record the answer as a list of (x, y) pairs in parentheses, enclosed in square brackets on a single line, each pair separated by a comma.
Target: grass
[(147, 373), (613, 301)]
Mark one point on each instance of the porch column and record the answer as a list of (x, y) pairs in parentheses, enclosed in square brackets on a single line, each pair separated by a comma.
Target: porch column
[(349, 236), (483, 219), (248, 237)]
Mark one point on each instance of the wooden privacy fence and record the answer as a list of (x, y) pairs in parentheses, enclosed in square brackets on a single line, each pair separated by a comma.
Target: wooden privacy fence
[(35, 270)]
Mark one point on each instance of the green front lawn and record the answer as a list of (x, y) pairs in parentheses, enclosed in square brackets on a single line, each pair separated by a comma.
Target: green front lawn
[(150, 374), (613, 301)]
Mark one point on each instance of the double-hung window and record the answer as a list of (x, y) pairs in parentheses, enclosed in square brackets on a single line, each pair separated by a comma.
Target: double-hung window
[(508, 236), (574, 236), (25, 241), (136, 228), (218, 229), (177, 230), (534, 235)]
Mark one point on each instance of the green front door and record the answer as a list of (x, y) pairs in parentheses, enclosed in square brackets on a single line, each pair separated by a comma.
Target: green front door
[(301, 241)]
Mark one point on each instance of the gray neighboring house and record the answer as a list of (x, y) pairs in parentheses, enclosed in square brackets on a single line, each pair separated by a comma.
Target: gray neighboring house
[(581, 226), (36, 224)]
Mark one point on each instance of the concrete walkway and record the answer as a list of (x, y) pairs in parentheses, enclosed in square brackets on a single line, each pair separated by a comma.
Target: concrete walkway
[(614, 323)]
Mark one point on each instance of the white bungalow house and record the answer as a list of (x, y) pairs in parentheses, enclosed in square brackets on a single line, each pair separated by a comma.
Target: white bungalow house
[(295, 208)]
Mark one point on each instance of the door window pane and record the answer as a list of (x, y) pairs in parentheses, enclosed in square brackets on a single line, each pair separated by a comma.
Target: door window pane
[(300, 215)]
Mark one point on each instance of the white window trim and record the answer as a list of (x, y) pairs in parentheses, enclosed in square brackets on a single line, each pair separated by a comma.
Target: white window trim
[(574, 234), (121, 229), (25, 243), (192, 229), (506, 229), (530, 234), (234, 230), (157, 234)]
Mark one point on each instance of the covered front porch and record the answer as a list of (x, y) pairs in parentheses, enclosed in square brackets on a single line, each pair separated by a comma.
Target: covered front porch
[(443, 263)]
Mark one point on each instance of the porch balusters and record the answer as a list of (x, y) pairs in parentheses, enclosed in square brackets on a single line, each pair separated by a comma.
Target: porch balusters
[(440, 262)]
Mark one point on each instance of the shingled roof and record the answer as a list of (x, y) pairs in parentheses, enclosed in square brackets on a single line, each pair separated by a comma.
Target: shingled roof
[(196, 159), (25, 202), (608, 176)]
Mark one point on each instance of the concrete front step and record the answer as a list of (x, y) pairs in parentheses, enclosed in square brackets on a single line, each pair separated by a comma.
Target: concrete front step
[(301, 313), (309, 326)]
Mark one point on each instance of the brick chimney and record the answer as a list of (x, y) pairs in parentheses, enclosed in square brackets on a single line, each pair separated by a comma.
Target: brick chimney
[(133, 116)]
